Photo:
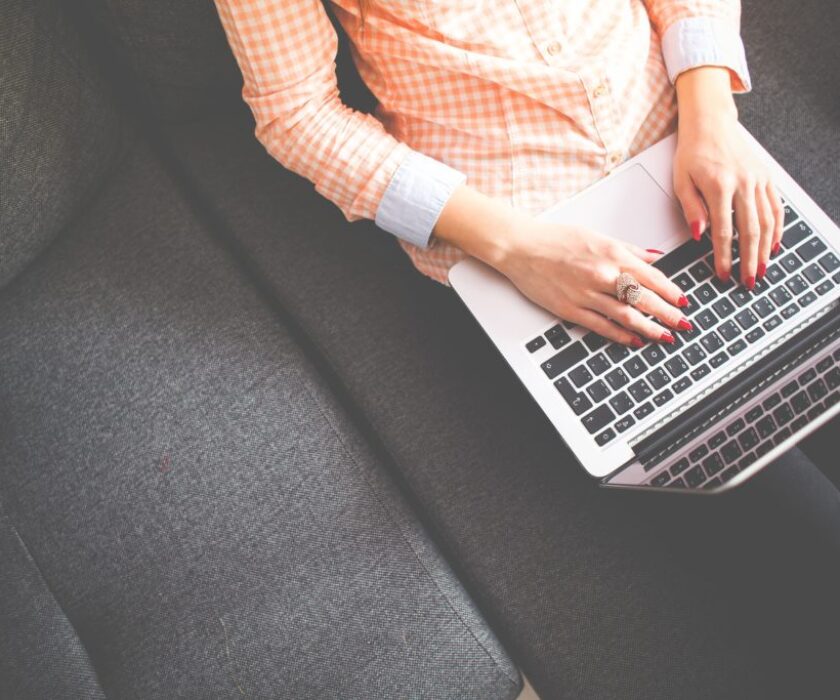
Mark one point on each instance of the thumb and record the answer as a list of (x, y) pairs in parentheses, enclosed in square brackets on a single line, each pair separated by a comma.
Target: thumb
[(694, 209)]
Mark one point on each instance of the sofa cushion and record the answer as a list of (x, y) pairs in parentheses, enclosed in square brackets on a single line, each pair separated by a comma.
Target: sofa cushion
[(192, 514), (59, 130)]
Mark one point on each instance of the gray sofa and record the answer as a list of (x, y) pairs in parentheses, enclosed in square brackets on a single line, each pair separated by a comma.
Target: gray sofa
[(247, 451)]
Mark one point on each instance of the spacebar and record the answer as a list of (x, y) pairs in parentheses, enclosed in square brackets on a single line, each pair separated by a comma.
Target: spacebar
[(683, 255)]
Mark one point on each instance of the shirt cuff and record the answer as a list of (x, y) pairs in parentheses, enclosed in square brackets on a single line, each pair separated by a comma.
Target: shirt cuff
[(705, 41), (415, 197)]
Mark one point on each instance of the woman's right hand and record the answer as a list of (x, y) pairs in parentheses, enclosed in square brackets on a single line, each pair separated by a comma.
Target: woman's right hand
[(568, 270)]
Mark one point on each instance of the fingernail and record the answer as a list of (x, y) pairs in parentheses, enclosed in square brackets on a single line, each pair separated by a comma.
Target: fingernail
[(776, 247), (636, 342), (667, 337), (696, 230), (762, 268), (685, 325), (682, 302), (654, 250), (749, 283)]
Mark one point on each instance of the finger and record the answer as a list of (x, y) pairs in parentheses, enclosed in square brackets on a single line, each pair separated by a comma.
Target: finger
[(656, 282), (719, 200), (631, 318), (654, 305), (600, 324), (693, 206), (779, 218), (767, 224), (749, 233)]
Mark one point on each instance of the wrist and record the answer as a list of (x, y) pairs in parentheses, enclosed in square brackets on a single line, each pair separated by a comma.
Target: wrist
[(704, 95)]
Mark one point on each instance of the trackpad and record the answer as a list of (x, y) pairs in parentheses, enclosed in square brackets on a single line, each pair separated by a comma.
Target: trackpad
[(629, 205)]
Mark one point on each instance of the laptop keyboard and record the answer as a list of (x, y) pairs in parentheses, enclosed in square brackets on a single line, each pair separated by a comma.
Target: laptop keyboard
[(611, 387), (753, 433)]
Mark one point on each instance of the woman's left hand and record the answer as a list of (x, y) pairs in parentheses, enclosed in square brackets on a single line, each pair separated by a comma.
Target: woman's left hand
[(716, 171)]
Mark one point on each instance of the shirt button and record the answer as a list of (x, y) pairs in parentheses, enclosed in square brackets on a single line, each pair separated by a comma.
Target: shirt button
[(600, 90), (553, 48), (615, 158)]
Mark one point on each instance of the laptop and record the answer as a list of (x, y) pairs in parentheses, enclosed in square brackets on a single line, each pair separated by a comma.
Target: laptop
[(759, 372)]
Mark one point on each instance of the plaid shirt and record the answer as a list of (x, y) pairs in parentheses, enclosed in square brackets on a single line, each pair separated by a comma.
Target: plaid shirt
[(527, 100)]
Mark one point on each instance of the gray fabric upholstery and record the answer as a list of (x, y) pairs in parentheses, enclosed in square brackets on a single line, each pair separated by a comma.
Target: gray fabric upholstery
[(562, 570), (59, 131), (186, 511)]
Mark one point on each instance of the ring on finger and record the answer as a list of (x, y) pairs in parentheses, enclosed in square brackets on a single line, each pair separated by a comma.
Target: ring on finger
[(627, 289)]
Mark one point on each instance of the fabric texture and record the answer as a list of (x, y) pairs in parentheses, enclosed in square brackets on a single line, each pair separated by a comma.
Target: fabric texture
[(532, 102), (191, 497), (59, 131)]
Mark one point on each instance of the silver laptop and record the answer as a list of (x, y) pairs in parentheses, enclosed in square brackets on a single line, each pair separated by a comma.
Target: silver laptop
[(760, 370)]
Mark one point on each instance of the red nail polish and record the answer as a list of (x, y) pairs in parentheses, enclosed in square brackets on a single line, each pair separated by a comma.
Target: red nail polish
[(762, 268), (667, 337), (696, 230), (685, 325), (636, 342), (776, 247), (682, 302), (750, 283), (654, 250)]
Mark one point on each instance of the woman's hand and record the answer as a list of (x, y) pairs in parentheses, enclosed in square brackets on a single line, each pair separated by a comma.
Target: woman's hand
[(569, 271), (716, 171)]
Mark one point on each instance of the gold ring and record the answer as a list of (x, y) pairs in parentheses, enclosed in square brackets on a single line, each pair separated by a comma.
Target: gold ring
[(627, 289)]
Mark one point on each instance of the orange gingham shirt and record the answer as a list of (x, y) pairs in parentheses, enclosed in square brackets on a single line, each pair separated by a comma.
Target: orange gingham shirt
[(528, 101)]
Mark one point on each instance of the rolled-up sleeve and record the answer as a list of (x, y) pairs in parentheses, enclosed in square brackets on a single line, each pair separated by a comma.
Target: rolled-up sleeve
[(286, 51), (698, 33)]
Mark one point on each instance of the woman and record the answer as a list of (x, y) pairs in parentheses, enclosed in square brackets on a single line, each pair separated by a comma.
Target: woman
[(492, 111)]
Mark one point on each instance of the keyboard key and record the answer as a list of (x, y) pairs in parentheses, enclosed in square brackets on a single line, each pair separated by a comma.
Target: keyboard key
[(653, 354), (705, 293), (800, 402), (813, 273), (763, 307), (598, 364), (706, 319), (790, 310), (766, 426), (790, 263), (729, 330), (563, 360), (836, 278), (798, 424), (597, 419), (780, 296), (740, 296), (535, 344), (764, 448), (639, 390), (796, 234), (635, 366), (754, 334), (811, 249), (699, 372), (717, 440), (693, 305), (676, 259), (748, 439), (662, 398), (754, 414), (604, 437), (700, 271), (621, 403), (774, 274), (781, 436), (737, 346), (721, 286), (598, 391), (696, 476), (807, 299), (817, 390), (684, 281), (824, 364), (698, 453), (580, 375), (746, 319), (735, 427), (824, 287), (681, 385), (694, 354), (807, 376), (783, 414), (624, 423), (771, 401), (617, 352), (676, 484), (728, 474), (557, 336), (829, 262), (617, 378), (594, 341), (713, 463), (711, 341), (679, 466), (772, 323), (658, 378), (789, 389), (718, 359), (796, 285), (676, 366), (644, 410), (832, 378), (660, 479), (564, 386), (790, 216)]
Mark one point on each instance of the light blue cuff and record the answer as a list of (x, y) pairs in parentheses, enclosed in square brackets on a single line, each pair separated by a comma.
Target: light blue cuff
[(704, 41), (415, 197)]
